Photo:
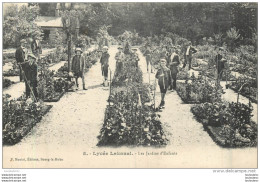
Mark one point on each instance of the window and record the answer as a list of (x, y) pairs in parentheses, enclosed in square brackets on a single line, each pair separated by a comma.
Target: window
[(46, 34)]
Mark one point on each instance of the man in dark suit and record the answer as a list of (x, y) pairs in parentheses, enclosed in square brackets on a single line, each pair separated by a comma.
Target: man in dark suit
[(21, 56), (220, 62), (188, 55), (36, 47), (173, 65)]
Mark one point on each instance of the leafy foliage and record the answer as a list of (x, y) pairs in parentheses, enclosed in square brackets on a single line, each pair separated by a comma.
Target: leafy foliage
[(19, 24), (233, 119), (19, 116), (128, 121)]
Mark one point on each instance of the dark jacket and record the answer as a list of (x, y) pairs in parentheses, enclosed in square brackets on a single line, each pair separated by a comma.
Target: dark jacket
[(78, 64), (148, 54), (164, 77), (191, 51), (174, 63), (104, 59), (36, 49), (30, 71), (219, 62), (19, 55)]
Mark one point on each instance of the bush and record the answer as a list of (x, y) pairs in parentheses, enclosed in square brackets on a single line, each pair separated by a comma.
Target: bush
[(7, 83)]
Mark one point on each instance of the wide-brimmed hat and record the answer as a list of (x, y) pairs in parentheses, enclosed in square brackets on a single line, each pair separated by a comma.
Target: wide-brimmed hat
[(23, 41), (32, 56), (78, 49), (105, 47)]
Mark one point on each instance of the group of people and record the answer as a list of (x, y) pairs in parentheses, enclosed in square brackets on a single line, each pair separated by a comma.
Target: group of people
[(166, 73), (26, 60), (169, 66)]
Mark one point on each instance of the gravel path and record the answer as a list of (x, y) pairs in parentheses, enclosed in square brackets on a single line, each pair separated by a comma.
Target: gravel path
[(72, 125)]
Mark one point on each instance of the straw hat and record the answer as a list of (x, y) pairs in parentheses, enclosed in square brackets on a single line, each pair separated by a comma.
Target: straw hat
[(32, 56), (78, 49)]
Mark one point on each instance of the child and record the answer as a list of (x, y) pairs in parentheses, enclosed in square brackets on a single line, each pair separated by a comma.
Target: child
[(135, 57), (105, 64), (30, 69), (78, 67), (164, 79), (119, 59), (174, 61)]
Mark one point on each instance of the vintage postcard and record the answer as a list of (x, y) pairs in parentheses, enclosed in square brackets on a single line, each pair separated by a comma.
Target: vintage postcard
[(129, 85)]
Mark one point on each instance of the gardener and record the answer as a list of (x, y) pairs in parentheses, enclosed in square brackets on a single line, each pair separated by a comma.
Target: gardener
[(119, 59), (135, 57), (21, 55), (188, 55), (78, 67), (36, 47), (164, 79), (174, 63), (220, 62), (30, 69), (104, 64), (148, 57)]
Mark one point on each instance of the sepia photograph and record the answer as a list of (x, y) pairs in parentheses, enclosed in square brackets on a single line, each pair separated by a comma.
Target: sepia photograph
[(129, 85)]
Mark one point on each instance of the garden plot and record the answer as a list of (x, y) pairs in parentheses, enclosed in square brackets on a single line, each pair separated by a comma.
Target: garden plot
[(231, 96)]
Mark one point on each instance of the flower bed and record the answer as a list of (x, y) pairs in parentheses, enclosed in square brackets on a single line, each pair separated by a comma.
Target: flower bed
[(128, 120), (49, 89), (7, 83), (19, 117), (229, 124), (198, 91), (249, 90), (12, 72)]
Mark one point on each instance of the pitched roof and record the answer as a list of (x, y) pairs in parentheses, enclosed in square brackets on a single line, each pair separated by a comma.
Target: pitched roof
[(49, 21)]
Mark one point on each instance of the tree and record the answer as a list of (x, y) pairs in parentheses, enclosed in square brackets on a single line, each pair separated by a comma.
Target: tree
[(19, 24), (232, 36)]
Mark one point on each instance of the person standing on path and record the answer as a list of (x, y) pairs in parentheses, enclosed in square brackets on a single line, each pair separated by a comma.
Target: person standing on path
[(188, 55), (78, 67), (135, 57), (148, 58), (21, 56), (220, 63), (119, 60), (30, 70), (36, 47), (173, 64), (105, 64), (164, 79)]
